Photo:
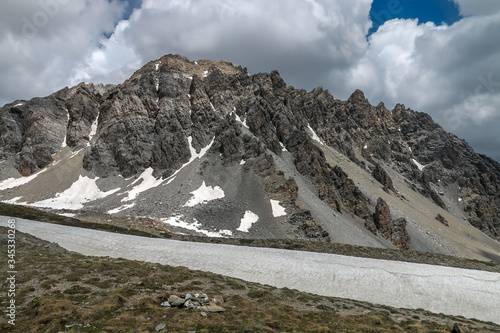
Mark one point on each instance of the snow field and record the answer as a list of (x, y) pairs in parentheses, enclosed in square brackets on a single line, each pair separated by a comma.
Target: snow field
[(448, 290)]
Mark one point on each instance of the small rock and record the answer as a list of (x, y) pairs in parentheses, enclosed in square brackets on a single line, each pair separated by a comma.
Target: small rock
[(456, 328), (159, 327), (202, 295), (188, 296), (166, 304), (204, 314), (218, 299), (175, 300), (211, 307), (190, 305)]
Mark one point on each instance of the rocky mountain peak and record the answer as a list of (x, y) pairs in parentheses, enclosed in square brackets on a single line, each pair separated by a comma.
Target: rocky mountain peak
[(296, 163)]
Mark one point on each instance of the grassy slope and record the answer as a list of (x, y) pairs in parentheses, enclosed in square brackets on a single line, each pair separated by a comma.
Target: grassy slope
[(63, 291)]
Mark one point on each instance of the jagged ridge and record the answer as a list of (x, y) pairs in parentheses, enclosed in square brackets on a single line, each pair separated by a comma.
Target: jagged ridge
[(169, 105)]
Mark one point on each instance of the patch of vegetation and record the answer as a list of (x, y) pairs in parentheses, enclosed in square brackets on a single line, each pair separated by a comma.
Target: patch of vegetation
[(99, 294)]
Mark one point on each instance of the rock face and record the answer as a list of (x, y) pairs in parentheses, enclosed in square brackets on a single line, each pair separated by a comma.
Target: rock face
[(393, 230), (173, 109), (383, 178), (34, 131)]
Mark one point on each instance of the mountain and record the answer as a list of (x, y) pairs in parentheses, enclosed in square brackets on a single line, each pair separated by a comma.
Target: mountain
[(207, 148)]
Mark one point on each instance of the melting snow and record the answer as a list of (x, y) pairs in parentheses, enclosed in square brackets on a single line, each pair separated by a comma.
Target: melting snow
[(12, 201), (177, 221), (283, 148), (205, 194), (242, 162), (419, 166), (19, 104), (194, 155), (246, 222), (157, 65), (148, 182), (67, 214), (14, 182), (238, 119), (83, 190), (315, 137), (278, 210), (119, 209), (365, 147), (75, 153), (205, 73), (93, 128), (64, 141), (157, 84)]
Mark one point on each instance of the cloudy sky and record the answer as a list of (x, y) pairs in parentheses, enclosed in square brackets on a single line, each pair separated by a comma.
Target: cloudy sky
[(441, 57)]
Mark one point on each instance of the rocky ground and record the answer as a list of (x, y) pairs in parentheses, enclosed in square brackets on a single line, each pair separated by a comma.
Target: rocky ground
[(60, 291)]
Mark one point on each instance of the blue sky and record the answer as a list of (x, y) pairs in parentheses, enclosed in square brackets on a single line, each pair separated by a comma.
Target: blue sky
[(439, 57), (437, 11)]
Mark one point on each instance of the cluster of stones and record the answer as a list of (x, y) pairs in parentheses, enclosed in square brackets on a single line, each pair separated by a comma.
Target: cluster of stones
[(197, 301), (189, 302)]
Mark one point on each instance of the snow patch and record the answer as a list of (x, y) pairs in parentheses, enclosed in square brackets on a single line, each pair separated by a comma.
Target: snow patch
[(83, 190), (13, 200), (157, 65), (93, 128), (14, 182), (18, 104), (204, 194), (194, 156), (459, 199), (419, 166), (67, 214), (64, 141), (75, 153), (148, 182), (238, 119), (242, 162), (283, 148), (205, 73), (365, 147), (278, 210), (246, 222), (177, 221), (119, 209), (314, 136)]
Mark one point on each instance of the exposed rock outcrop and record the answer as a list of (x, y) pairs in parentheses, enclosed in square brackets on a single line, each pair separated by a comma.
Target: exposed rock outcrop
[(393, 230), (382, 177)]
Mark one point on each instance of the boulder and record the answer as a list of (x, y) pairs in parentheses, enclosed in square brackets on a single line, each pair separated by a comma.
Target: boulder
[(176, 300)]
